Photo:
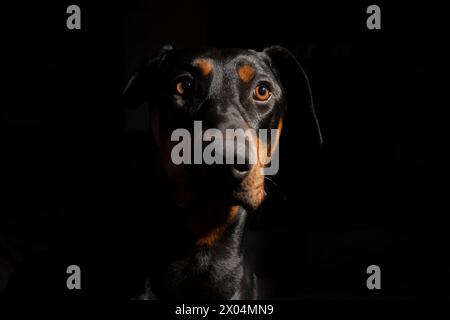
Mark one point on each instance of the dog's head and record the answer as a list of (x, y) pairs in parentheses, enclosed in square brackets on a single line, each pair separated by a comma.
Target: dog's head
[(224, 89)]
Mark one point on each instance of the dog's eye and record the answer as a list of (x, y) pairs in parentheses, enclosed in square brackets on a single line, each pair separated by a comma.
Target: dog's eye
[(183, 86), (262, 92)]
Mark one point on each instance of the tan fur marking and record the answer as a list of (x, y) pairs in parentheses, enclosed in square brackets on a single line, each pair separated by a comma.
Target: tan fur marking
[(207, 230), (204, 66), (246, 73), (280, 127)]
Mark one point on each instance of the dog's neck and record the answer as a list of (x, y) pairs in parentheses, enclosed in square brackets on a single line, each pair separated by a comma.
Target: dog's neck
[(209, 224), (211, 265)]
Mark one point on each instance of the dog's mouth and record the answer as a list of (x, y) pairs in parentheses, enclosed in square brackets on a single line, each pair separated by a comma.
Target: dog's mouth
[(202, 188), (250, 192), (240, 183)]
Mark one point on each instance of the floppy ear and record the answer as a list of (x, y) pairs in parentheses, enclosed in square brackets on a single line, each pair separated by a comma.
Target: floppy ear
[(297, 92), (136, 91)]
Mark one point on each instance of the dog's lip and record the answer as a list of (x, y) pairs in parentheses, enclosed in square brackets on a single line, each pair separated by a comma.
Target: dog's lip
[(232, 198), (220, 192)]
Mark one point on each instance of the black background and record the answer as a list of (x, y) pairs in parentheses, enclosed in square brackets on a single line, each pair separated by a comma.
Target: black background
[(76, 187)]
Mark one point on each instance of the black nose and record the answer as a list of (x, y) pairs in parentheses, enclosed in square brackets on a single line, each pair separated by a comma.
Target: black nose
[(240, 168)]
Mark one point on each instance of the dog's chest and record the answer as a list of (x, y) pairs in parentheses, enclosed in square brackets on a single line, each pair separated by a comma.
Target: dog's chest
[(204, 275)]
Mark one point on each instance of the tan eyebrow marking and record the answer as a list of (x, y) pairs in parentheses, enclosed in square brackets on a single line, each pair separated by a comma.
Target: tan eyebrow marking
[(246, 73), (204, 66)]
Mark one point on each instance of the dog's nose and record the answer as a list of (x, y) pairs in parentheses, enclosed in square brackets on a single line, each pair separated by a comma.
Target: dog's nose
[(240, 168)]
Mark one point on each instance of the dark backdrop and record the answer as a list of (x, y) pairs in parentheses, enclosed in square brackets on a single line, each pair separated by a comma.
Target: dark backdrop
[(74, 165)]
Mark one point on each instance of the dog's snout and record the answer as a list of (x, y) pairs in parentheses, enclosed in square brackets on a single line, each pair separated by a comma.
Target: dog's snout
[(237, 165), (240, 171), (241, 167)]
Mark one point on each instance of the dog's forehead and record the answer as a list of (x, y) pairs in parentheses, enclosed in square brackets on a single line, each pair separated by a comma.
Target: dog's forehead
[(231, 58), (209, 60)]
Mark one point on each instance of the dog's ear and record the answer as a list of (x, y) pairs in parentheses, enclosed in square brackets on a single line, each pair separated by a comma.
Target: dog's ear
[(297, 91), (136, 91)]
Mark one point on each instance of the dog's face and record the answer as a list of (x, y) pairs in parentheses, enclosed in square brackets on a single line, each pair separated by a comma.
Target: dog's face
[(224, 89)]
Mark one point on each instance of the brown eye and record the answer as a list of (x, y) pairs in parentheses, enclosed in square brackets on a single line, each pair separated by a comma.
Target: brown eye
[(183, 86), (262, 92)]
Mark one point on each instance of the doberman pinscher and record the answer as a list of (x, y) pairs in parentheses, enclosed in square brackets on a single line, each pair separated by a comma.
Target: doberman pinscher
[(225, 89)]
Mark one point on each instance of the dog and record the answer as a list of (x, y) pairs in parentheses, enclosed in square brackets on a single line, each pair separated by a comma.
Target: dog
[(203, 258)]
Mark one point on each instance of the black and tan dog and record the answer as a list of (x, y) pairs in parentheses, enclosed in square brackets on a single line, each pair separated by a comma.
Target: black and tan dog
[(225, 89)]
